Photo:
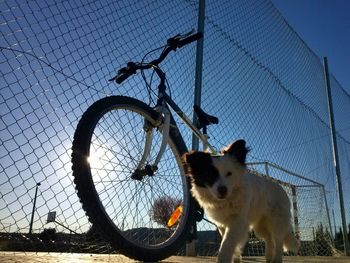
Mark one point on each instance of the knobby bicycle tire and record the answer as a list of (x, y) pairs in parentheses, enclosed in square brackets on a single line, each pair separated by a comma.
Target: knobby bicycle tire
[(125, 209)]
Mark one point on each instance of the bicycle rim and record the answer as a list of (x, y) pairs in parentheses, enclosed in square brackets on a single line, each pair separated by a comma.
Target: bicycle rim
[(139, 210)]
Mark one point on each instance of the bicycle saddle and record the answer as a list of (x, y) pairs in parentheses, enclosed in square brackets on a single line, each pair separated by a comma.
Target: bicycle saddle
[(204, 119)]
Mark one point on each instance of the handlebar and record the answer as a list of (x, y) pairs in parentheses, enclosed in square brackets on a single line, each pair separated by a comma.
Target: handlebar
[(173, 43), (190, 39)]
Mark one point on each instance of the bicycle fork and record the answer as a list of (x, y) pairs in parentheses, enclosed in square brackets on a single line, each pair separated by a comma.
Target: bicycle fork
[(143, 169)]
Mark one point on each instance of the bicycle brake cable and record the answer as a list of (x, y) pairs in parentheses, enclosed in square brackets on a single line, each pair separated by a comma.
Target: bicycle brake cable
[(149, 85)]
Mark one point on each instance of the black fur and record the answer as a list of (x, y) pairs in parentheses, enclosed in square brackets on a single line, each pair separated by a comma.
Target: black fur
[(238, 150), (201, 168)]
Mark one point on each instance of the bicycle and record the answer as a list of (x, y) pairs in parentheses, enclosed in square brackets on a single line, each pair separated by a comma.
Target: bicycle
[(128, 169)]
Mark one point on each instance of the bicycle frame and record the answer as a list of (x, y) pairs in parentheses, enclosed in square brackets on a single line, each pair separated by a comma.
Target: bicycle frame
[(163, 104), (163, 109), (202, 137)]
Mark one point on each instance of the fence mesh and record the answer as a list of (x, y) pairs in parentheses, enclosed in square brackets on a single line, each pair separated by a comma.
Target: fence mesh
[(259, 78)]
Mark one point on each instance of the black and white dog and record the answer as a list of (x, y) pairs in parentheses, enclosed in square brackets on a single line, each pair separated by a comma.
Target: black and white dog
[(236, 201)]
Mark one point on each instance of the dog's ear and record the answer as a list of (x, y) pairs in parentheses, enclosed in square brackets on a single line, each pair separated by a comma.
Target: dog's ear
[(187, 159), (238, 149), (192, 157), (194, 160)]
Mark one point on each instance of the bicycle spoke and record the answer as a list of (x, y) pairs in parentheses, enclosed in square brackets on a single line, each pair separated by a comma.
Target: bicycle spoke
[(116, 148)]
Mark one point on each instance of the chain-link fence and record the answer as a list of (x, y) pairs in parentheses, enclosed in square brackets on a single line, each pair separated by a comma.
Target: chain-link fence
[(259, 78)]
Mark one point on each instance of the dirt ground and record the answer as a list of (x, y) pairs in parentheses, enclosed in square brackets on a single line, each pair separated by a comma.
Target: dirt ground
[(19, 257)]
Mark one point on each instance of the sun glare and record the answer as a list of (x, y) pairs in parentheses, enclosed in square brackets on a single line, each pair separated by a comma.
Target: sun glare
[(97, 157)]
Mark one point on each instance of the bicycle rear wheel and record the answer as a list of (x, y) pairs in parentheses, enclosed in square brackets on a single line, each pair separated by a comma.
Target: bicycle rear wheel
[(132, 214)]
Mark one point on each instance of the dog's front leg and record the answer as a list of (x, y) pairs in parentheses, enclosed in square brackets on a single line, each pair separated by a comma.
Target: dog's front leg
[(221, 231), (236, 234)]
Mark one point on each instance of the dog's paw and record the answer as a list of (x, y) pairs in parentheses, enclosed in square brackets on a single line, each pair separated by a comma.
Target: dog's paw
[(237, 258), (228, 260), (224, 260)]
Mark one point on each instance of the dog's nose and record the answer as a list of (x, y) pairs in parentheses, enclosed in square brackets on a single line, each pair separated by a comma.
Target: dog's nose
[(222, 190)]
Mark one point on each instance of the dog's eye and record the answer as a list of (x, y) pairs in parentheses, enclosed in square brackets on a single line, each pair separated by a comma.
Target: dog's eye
[(229, 174)]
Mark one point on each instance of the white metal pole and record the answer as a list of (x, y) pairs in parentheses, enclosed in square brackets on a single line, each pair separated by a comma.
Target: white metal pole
[(335, 155), (199, 67), (191, 246)]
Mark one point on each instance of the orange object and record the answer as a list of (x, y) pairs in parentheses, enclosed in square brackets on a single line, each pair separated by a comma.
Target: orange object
[(175, 216)]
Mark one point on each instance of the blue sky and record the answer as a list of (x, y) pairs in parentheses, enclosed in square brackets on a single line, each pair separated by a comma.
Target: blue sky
[(325, 27), (89, 41)]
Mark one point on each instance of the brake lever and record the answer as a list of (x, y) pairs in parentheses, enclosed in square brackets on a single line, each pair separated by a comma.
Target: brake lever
[(129, 70)]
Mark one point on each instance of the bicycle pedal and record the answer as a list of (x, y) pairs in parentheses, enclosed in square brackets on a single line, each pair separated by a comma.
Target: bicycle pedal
[(150, 169), (138, 174)]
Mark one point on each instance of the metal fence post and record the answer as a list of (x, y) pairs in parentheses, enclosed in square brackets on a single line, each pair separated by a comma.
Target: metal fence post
[(335, 227), (335, 155), (33, 211), (199, 67), (191, 249), (267, 169), (295, 212), (329, 218)]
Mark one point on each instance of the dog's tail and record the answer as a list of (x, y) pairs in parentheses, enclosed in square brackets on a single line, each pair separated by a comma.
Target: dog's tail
[(291, 243)]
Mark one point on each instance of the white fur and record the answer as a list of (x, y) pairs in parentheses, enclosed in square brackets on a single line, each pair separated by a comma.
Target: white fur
[(251, 201)]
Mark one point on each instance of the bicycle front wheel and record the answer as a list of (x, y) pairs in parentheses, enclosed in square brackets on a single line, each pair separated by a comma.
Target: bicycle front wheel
[(133, 214)]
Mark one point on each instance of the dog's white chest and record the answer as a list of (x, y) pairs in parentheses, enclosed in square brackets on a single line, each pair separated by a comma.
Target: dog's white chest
[(223, 214)]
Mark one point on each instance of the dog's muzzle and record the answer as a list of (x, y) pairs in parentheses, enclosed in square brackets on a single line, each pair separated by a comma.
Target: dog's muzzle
[(222, 191)]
